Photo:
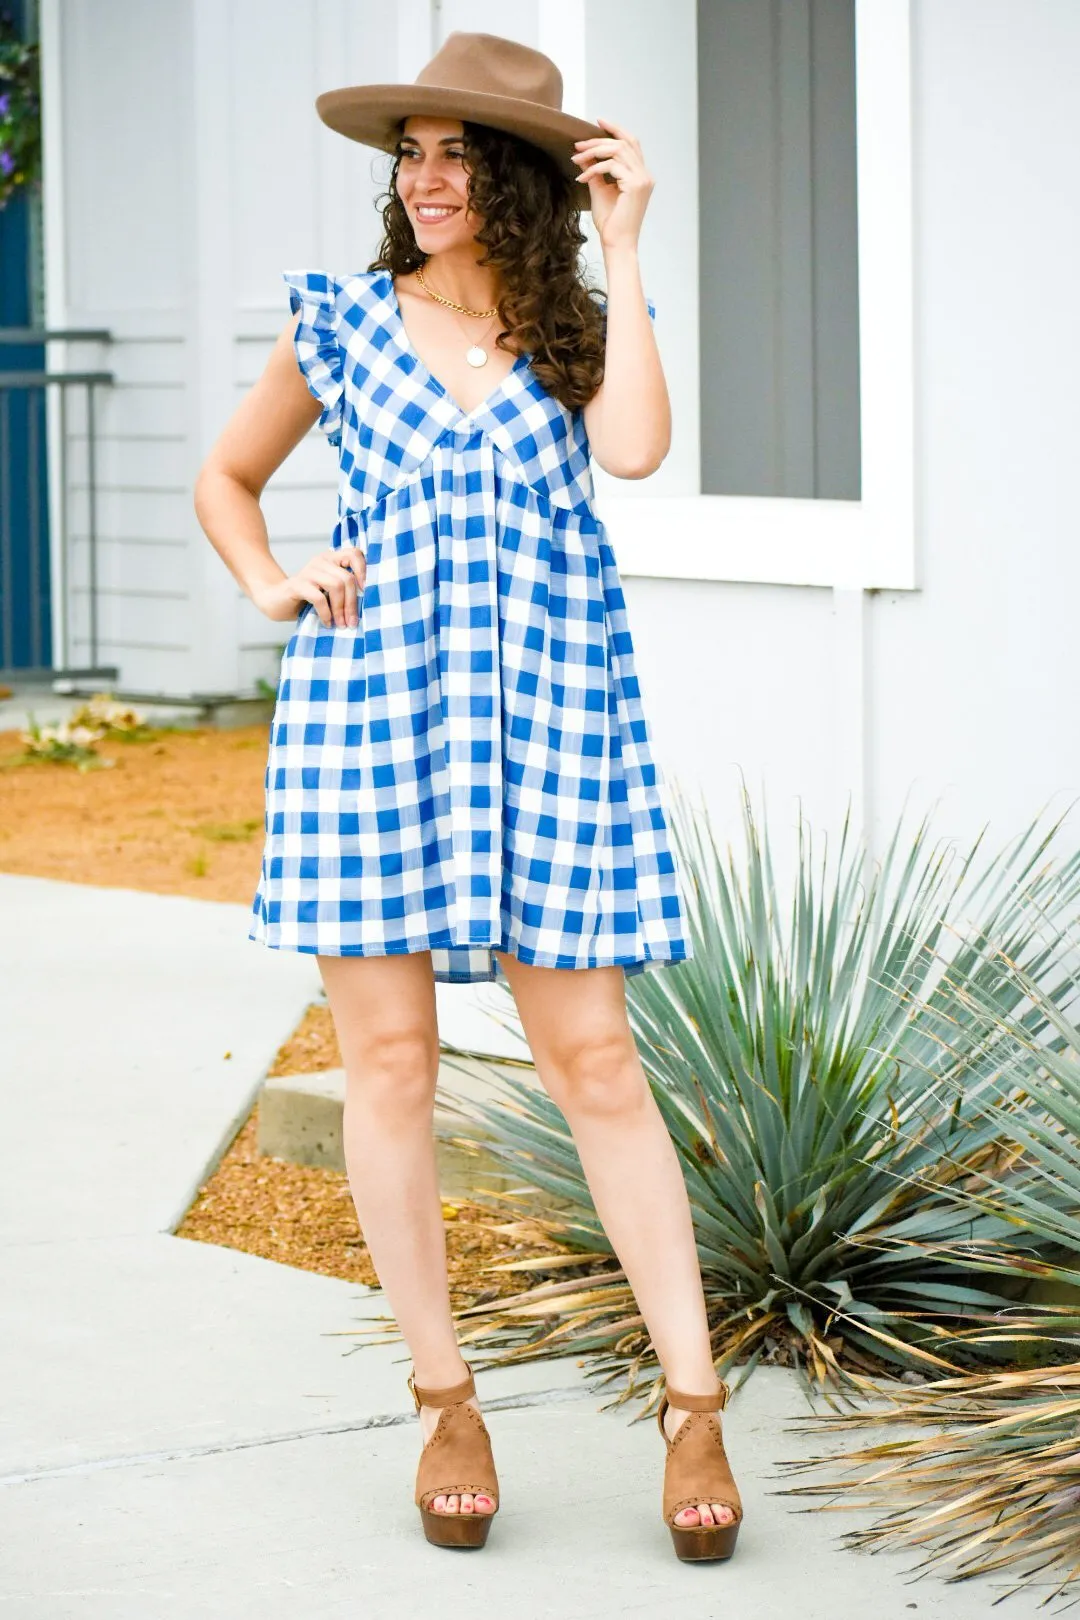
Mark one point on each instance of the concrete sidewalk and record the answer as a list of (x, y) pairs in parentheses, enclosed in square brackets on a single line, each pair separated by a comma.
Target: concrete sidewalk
[(185, 1432)]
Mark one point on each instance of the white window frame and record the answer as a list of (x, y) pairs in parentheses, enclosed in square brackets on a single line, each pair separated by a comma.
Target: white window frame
[(868, 543)]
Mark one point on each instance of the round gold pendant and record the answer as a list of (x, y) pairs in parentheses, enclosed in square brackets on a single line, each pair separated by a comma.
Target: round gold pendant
[(476, 356)]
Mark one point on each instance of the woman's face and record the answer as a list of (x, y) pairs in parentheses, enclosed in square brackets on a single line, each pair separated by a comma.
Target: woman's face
[(432, 183)]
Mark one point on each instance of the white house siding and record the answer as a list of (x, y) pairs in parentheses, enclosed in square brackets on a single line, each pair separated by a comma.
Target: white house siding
[(123, 74), (960, 690), (962, 693), (973, 680), (190, 172), (968, 686)]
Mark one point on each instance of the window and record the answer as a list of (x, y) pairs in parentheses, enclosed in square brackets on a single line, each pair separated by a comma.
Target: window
[(793, 453), (778, 247)]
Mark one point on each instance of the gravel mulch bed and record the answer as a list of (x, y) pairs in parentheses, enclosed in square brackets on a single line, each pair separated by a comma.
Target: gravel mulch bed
[(312, 1046), (304, 1217), (289, 1212)]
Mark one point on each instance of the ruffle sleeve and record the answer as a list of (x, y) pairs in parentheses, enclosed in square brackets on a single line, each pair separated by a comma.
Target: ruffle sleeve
[(318, 351)]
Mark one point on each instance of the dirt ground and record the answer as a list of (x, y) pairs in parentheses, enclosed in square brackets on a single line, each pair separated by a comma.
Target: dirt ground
[(179, 813)]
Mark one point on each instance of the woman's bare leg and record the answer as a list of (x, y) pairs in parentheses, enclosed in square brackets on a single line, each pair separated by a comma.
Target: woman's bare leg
[(384, 1014), (577, 1028)]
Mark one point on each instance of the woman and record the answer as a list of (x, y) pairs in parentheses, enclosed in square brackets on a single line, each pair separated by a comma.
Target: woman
[(459, 779)]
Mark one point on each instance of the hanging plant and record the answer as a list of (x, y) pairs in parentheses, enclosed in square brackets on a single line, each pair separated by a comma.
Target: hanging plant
[(20, 112)]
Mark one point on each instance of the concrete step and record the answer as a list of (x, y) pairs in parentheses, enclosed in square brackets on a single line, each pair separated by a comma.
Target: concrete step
[(300, 1119)]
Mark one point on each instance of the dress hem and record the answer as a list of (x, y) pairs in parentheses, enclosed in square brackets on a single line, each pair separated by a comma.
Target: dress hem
[(629, 964)]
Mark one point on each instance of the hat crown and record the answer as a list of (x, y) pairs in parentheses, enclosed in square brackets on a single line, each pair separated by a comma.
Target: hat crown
[(496, 67)]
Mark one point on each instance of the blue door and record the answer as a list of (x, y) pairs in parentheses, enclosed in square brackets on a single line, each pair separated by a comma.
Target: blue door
[(25, 594)]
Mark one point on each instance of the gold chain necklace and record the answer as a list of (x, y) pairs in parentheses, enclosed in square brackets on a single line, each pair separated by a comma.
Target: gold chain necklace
[(474, 354)]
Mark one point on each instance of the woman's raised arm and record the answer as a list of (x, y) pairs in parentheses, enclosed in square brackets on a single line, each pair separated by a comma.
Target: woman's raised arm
[(628, 419)]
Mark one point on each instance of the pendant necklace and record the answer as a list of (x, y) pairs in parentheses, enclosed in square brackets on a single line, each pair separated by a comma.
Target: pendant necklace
[(475, 354)]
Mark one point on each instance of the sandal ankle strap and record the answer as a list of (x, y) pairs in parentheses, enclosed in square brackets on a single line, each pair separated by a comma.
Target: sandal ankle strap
[(443, 1397), (698, 1403)]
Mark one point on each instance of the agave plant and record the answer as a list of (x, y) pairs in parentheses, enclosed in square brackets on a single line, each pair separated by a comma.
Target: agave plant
[(823, 1124), (996, 1481)]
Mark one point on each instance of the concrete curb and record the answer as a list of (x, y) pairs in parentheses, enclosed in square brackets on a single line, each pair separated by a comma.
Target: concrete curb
[(239, 1115)]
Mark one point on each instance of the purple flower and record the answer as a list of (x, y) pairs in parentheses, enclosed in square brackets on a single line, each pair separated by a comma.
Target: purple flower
[(7, 164), (5, 106)]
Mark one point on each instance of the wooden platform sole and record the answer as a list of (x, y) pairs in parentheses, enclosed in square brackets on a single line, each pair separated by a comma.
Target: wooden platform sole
[(456, 1529), (706, 1541)]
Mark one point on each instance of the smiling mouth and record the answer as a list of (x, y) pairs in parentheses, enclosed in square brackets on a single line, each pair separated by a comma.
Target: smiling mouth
[(432, 214)]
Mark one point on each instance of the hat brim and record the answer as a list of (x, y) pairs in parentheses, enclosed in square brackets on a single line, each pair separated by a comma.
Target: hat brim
[(371, 114)]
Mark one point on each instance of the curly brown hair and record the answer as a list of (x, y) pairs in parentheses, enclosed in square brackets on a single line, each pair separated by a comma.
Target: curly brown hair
[(532, 236)]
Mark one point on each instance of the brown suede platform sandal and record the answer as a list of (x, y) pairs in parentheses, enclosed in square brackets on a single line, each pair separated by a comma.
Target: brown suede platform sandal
[(457, 1458), (697, 1471)]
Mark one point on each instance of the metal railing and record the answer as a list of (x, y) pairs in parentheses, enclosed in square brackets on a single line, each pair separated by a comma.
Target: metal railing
[(42, 662)]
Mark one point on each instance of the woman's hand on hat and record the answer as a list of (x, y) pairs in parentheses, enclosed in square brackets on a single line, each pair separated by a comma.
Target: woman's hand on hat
[(618, 208), (331, 582)]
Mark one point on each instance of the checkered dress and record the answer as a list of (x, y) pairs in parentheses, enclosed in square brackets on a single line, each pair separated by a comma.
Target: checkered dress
[(469, 769)]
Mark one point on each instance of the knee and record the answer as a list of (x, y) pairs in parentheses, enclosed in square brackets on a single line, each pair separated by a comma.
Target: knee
[(598, 1075), (394, 1073)]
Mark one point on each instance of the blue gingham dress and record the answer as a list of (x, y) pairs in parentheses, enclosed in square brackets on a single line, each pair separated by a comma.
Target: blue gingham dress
[(469, 769)]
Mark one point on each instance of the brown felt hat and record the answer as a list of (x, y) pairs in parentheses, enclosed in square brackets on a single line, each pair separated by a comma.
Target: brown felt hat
[(479, 77)]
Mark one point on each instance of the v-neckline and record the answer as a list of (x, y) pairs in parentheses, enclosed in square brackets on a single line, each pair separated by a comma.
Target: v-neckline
[(406, 343)]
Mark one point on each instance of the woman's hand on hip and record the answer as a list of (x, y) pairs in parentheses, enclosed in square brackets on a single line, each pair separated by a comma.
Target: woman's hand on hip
[(616, 209), (331, 582)]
